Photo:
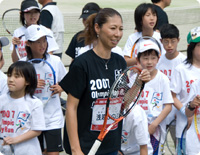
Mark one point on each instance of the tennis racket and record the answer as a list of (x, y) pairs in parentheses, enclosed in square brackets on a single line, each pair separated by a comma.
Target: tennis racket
[(155, 139), (181, 143), (11, 21), (6, 149), (46, 72), (197, 121), (134, 50), (168, 139), (122, 97)]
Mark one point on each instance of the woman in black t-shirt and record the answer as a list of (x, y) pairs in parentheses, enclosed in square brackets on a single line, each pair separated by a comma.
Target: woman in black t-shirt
[(88, 82)]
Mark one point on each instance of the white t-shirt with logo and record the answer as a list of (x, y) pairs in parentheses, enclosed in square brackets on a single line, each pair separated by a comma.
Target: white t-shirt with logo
[(3, 83), (155, 95), (52, 110), (183, 76), (20, 33), (167, 66), (191, 135), (133, 38), (17, 117), (135, 132)]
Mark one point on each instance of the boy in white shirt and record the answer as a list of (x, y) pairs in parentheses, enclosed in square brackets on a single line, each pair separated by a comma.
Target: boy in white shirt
[(156, 98), (168, 61), (3, 78), (135, 135)]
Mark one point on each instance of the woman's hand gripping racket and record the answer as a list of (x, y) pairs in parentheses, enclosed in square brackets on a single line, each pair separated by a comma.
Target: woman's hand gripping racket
[(46, 72), (125, 90), (11, 21), (5, 149)]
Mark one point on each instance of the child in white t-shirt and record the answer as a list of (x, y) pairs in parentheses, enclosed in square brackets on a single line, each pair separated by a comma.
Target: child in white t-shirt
[(135, 135), (3, 78), (36, 47), (30, 14), (156, 98), (183, 76), (21, 113), (168, 61), (193, 109), (145, 20)]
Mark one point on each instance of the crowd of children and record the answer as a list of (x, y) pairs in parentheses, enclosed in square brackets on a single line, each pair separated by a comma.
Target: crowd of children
[(170, 93)]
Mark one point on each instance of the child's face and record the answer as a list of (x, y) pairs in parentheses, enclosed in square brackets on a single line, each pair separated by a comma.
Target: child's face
[(1, 54), (196, 53), (170, 45), (16, 84), (148, 62), (38, 47), (32, 17), (149, 20)]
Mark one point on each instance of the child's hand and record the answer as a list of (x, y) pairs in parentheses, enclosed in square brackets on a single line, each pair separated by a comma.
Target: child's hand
[(195, 102), (152, 128), (16, 41), (56, 89), (41, 83), (10, 140), (145, 76)]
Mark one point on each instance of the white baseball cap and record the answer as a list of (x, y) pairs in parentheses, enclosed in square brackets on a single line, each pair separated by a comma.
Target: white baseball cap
[(35, 32), (4, 41), (147, 44)]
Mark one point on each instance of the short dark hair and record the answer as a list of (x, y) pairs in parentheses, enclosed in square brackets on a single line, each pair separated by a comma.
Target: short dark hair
[(140, 12), (155, 1), (190, 49), (148, 52), (169, 31), (26, 70)]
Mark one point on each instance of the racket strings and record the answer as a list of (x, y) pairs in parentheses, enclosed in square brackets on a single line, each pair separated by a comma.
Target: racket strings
[(11, 21), (128, 88)]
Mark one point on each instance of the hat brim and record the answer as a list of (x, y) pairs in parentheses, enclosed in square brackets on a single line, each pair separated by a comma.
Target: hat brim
[(38, 37), (31, 8), (4, 41), (84, 16)]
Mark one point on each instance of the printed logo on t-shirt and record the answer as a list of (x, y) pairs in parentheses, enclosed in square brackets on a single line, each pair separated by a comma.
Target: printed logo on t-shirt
[(8, 121), (124, 137), (117, 73), (156, 99), (21, 120)]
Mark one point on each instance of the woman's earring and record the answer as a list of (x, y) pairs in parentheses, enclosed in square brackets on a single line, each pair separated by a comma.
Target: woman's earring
[(97, 35)]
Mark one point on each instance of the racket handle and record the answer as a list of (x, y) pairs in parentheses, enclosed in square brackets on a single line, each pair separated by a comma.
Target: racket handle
[(17, 52), (95, 147)]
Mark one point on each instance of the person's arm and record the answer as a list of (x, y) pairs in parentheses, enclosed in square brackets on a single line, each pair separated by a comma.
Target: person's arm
[(72, 124), (177, 102), (130, 61), (160, 118), (21, 138), (143, 150)]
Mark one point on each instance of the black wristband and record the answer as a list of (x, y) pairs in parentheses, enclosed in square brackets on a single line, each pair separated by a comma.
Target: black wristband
[(189, 107)]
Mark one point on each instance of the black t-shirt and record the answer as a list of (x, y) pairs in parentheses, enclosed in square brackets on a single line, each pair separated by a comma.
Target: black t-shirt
[(75, 46), (162, 17), (88, 80)]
